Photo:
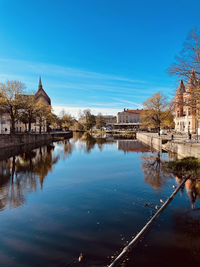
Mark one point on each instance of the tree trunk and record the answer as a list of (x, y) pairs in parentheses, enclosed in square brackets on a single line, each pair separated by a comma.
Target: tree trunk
[(159, 130), (29, 126), (12, 130)]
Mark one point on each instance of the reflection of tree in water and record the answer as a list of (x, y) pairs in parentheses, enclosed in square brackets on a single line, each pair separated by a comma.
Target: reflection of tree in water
[(77, 136), (154, 171), (100, 143), (68, 148), (89, 141), (19, 175)]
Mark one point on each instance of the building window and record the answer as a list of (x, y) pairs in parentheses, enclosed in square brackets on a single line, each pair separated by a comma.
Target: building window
[(189, 112)]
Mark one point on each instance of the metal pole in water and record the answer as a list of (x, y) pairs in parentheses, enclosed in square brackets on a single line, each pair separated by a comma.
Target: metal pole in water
[(134, 241)]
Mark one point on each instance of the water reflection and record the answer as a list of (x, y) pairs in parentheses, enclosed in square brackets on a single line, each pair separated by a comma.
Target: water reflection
[(24, 173), (91, 141), (192, 188), (94, 192), (153, 167), (132, 146)]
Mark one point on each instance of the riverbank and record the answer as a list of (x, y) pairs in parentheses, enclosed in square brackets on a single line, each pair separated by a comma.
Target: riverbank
[(15, 140), (180, 146), (115, 134)]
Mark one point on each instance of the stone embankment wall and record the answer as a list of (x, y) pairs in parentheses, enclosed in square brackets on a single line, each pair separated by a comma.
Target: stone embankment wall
[(13, 140), (182, 148), (152, 140)]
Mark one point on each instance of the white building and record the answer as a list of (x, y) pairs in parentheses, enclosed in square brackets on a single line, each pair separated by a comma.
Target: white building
[(129, 116), (4, 123)]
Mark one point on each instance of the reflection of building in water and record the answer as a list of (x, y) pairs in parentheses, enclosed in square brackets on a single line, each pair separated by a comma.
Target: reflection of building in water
[(132, 146), (4, 170), (192, 188), (19, 175), (38, 161)]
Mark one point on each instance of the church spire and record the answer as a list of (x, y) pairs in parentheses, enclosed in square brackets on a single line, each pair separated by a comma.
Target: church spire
[(181, 88), (40, 84), (193, 81), (41, 94)]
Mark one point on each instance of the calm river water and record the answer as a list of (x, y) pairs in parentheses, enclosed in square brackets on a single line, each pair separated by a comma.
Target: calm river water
[(88, 196)]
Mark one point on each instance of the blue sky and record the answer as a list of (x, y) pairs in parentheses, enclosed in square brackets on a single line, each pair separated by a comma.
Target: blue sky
[(105, 55)]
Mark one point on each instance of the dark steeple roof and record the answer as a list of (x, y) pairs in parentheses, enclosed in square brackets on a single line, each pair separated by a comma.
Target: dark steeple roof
[(42, 93), (40, 83), (193, 81), (181, 88)]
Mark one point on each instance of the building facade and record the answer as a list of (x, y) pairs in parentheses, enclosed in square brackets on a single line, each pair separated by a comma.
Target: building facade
[(184, 112), (129, 116), (40, 97), (109, 119), (4, 123)]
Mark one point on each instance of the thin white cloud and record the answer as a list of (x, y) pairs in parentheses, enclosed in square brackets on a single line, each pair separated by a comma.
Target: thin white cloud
[(55, 70), (75, 111)]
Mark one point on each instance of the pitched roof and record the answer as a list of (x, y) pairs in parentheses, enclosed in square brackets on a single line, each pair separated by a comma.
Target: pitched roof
[(42, 93), (135, 111)]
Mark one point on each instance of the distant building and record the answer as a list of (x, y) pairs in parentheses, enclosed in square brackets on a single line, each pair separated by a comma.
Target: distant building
[(184, 115), (40, 97), (129, 116), (109, 119), (4, 123)]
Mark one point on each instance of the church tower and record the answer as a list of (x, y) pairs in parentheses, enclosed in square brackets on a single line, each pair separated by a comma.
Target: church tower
[(178, 104), (178, 100)]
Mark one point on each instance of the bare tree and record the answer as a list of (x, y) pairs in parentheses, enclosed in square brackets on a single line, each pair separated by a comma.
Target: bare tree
[(100, 121), (189, 58), (10, 100)]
